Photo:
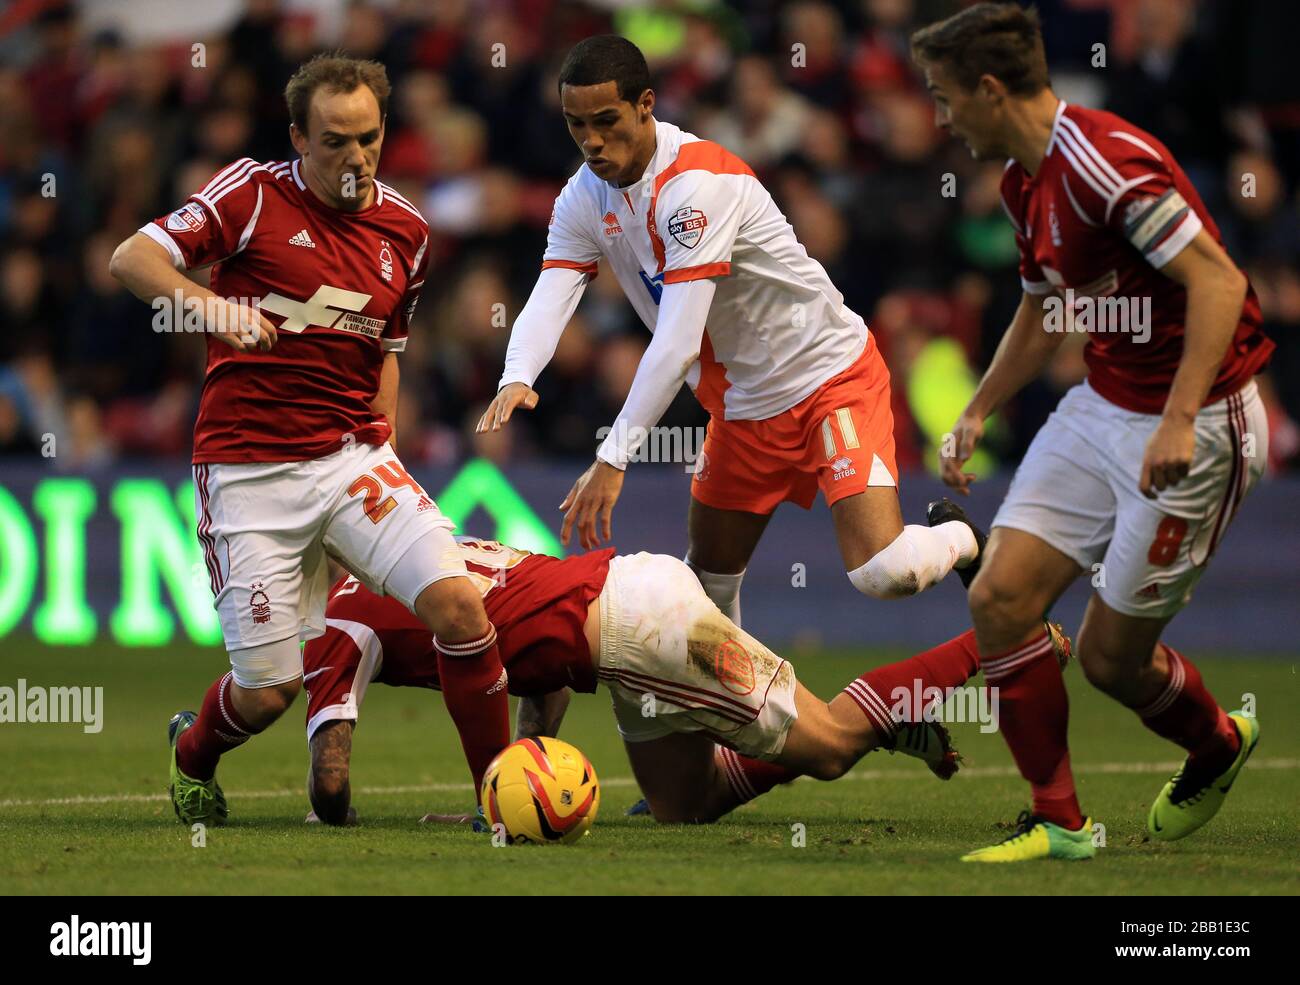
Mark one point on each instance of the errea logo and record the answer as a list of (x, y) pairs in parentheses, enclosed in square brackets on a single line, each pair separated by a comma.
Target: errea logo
[(843, 467), (102, 939), (612, 227)]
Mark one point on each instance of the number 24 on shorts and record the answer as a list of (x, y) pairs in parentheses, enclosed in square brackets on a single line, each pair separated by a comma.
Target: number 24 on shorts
[(393, 476)]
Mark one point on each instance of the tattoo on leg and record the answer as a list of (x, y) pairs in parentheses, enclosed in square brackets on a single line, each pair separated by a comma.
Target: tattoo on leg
[(328, 784)]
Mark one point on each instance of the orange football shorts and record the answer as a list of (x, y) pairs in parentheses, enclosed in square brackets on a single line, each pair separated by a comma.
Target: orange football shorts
[(840, 438)]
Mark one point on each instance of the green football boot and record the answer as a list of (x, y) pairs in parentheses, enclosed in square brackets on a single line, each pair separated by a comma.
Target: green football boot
[(1191, 797), (1034, 838), (195, 801)]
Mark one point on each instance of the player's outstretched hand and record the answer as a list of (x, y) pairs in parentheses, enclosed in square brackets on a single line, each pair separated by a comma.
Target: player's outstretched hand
[(509, 397), (591, 500), (957, 448), (244, 328), (1168, 456)]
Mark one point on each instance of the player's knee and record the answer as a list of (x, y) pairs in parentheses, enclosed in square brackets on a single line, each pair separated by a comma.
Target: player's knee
[(836, 759), (453, 609), (891, 573), (1109, 672), (261, 706), (278, 697), (1100, 672), (995, 601)]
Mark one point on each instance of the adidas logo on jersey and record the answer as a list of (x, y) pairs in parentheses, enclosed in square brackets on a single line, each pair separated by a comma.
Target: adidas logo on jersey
[(425, 503), (301, 238)]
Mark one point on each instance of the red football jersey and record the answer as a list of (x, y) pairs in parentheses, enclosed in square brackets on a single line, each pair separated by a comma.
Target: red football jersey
[(537, 603), (1108, 207), (340, 287)]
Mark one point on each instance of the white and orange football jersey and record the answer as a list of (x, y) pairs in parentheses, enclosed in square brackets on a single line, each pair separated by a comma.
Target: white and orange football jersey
[(777, 329)]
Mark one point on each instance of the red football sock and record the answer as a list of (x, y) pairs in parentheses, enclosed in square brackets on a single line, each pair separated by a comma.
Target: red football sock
[(219, 729), (474, 688), (1034, 716), (749, 778), (894, 693), (1186, 713)]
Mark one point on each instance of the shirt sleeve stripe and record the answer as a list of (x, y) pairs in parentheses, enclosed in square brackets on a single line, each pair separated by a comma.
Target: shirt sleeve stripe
[(164, 239), (1089, 149), (227, 175), (1136, 142), (683, 274), (586, 268)]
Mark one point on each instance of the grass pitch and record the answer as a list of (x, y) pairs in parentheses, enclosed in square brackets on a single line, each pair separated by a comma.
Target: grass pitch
[(83, 813)]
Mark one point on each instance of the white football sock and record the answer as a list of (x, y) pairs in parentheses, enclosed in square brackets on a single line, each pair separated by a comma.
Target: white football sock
[(915, 560), (723, 590)]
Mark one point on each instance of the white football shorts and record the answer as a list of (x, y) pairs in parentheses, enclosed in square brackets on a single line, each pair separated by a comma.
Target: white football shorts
[(674, 663), (1077, 489), (266, 530)]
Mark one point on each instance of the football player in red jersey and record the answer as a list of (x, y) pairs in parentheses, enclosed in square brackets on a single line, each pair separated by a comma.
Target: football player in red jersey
[(1138, 473), (711, 717), (316, 268)]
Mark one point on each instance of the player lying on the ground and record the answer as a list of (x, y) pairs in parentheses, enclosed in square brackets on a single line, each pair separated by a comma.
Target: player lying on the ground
[(683, 678), (797, 392), (1140, 470)]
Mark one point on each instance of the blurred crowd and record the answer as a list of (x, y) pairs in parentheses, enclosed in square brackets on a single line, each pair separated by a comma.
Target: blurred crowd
[(98, 135)]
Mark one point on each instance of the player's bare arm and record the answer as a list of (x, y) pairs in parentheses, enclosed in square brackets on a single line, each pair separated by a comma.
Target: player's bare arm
[(145, 269), (1215, 292), (328, 785), (541, 714), (385, 401), (1021, 356)]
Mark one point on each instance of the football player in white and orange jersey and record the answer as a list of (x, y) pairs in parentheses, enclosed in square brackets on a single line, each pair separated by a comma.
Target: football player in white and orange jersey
[(292, 447), (1140, 470), (796, 390)]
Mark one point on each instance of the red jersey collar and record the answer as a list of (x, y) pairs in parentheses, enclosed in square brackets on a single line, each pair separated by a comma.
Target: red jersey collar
[(315, 202)]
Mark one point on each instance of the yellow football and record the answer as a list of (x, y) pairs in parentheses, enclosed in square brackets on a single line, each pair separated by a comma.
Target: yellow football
[(540, 790)]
